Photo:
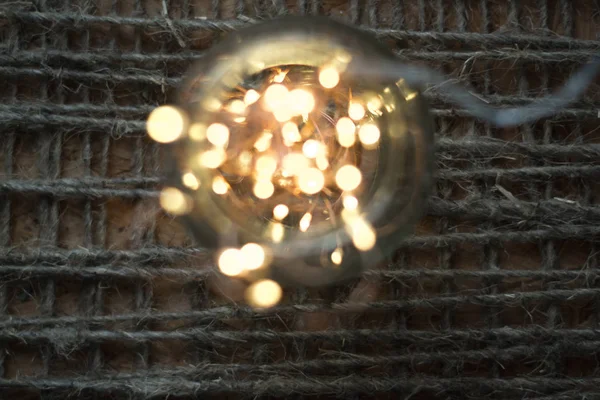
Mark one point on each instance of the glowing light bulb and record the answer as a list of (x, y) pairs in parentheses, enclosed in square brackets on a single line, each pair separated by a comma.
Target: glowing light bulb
[(275, 97), (311, 180), (322, 162), (374, 105), (244, 162), (348, 177), (345, 129), (295, 163), (280, 211), (290, 133), (253, 255), (219, 185), (369, 134), (263, 143), (277, 232), (266, 166), (362, 233), (197, 132), (263, 189), (251, 97), (282, 114), (305, 222), (300, 101), (310, 148), (212, 158), (218, 134), (173, 201), (237, 107), (350, 202), (190, 180), (264, 293), (336, 256), (231, 262), (356, 111), (166, 124), (329, 77)]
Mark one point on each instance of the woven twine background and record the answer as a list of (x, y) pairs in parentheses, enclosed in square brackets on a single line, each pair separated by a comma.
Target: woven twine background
[(497, 296)]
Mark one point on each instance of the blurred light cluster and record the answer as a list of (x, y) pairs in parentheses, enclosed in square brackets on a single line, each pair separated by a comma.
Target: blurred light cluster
[(294, 148)]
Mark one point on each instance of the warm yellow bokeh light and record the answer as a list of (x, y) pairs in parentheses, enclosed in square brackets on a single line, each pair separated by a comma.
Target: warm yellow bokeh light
[(305, 222), (345, 129), (356, 111), (218, 134), (197, 132), (166, 124), (295, 163), (280, 211), (237, 107), (300, 101), (253, 256), (173, 201), (362, 233), (264, 293), (374, 105), (410, 96), (251, 97), (231, 262), (322, 162), (348, 177), (369, 134), (219, 185), (282, 114), (336, 256), (310, 148), (275, 97), (263, 189), (212, 158), (329, 77), (277, 232), (311, 180), (350, 202), (190, 180), (290, 132), (263, 143), (266, 166)]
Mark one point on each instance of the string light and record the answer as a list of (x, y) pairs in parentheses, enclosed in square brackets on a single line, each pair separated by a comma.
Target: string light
[(329, 77), (305, 222), (212, 158), (274, 152), (264, 141), (166, 124), (251, 97), (311, 180), (173, 201), (219, 185), (190, 180), (253, 255), (348, 177), (218, 134), (369, 134), (356, 111), (336, 256), (280, 211), (264, 293), (231, 262), (345, 132)]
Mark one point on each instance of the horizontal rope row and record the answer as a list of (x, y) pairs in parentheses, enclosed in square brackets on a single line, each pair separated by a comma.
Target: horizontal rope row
[(144, 272), (516, 299), (85, 21), (348, 362), (96, 59), (283, 386), (524, 213)]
